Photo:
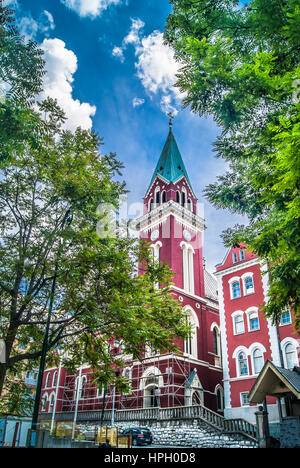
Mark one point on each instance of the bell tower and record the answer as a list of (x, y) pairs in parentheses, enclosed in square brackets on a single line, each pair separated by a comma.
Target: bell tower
[(171, 223)]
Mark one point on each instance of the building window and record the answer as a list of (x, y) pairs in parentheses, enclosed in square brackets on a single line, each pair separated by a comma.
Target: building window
[(291, 356), (285, 318), (44, 402), (164, 197), (242, 255), (82, 389), (239, 325), (253, 321), (151, 202), (243, 364), (188, 268), (216, 341), (236, 290), (157, 198), (183, 198), (190, 205), (248, 285), (258, 361), (178, 197), (235, 257), (51, 403), (48, 380), (55, 379), (244, 399), (190, 344)]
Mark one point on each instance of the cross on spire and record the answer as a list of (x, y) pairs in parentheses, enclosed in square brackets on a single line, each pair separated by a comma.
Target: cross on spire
[(171, 119)]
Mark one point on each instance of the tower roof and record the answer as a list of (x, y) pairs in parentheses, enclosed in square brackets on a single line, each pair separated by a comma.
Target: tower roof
[(170, 165)]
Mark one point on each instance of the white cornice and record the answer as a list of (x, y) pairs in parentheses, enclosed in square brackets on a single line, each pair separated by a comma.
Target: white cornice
[(162, 212), (238, 267)]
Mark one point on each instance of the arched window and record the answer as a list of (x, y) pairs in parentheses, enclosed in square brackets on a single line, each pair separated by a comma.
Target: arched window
[(178, 197), (290, 356), (243, 364), (253, 321), (258, 360), (55, 379), (44, 402), (164, 197), (157, 198), (183, 198), (48, 380), (190, 343), (220, 398), (188, 267), (238, 324), (216, 341), (190, 205), (248, 284), (151, 202), (236, 290), (51, 403), (83, 385)]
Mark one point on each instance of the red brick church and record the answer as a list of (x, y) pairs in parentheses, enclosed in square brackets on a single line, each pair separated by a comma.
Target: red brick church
[(174, 230)]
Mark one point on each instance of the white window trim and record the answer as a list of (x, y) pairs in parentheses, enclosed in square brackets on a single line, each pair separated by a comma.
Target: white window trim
[(235, 314), (245, 276), (235, 279), (284, 343), (241, 400), (233, 257), (253, 348), (286, 323), (188, 267), (235, 356), (193, 320), (250, 311), (49, 407), (45, 399)]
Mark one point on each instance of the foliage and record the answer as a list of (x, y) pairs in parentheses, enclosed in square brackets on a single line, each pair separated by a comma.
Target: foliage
[(49, 196), (240, 64), (21, 76)]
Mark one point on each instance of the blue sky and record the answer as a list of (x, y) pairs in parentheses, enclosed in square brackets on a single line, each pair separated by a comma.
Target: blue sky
[(109, 69)]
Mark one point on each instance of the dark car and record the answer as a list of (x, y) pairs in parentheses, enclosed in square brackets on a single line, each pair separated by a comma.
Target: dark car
[(140, 435)]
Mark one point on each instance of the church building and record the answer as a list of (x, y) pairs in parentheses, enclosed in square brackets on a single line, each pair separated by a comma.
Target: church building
[(174, 229)]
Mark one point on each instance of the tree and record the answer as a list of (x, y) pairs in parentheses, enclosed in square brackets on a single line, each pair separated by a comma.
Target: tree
[(240, 64), (21, 77), (49, 199)]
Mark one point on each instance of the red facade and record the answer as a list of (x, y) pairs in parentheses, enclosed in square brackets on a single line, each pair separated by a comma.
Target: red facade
[(248, 337), (174, 230)]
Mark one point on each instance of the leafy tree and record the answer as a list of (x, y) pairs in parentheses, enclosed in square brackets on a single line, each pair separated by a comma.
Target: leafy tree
[(240, 64), (21, 76), (49, 199)]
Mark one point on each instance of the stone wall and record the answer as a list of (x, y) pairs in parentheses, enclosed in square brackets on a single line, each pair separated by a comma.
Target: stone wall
[(290, 433), (196, 434)]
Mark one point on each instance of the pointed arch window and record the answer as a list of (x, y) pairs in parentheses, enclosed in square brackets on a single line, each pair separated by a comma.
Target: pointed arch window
[(183, 198), (188, 267), (157, 198), (151, 203)]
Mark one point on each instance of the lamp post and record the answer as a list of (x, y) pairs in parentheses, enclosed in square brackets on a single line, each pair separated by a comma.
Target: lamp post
[(66, 221)]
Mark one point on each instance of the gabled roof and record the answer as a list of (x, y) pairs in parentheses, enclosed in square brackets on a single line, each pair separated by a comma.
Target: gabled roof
[(170, 165), (275, 381)]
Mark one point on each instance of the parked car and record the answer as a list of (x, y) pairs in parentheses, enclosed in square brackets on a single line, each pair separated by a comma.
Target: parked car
[(140, 435)]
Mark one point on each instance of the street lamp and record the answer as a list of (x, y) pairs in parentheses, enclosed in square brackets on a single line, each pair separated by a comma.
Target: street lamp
[(67, 220)]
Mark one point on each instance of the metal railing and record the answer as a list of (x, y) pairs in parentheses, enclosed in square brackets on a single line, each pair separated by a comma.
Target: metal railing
[(215, 420)]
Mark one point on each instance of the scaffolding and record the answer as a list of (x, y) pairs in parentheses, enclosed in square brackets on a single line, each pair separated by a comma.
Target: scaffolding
[(159, 380)]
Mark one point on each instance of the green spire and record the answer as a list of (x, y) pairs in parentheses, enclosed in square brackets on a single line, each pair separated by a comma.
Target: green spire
[(170, 165)]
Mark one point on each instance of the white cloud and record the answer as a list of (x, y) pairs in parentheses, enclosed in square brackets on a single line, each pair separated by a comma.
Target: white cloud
[(118, 52), (30, 27), (156, 65), (136, 102), (91, 8), (61, 64)]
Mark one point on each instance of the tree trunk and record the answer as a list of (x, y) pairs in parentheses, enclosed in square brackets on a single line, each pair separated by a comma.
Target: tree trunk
[(3, 369)]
